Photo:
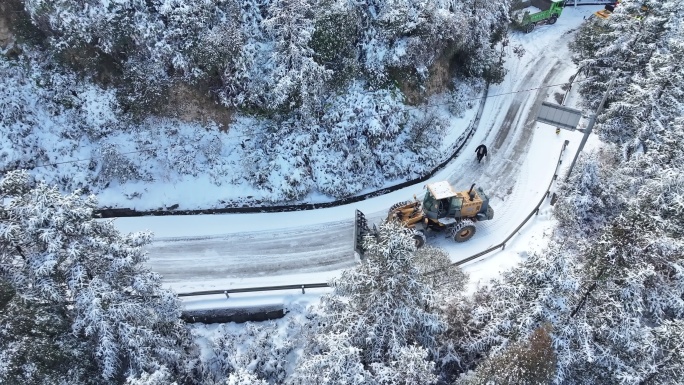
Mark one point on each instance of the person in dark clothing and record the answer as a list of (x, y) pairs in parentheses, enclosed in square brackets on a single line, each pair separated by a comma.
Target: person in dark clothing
[(481, 152)]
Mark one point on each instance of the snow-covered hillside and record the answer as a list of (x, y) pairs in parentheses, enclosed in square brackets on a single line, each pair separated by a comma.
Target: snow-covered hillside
[(310, 106), (588, 292)]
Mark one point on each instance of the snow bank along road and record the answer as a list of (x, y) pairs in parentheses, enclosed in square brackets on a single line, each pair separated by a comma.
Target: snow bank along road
[(239, 250)]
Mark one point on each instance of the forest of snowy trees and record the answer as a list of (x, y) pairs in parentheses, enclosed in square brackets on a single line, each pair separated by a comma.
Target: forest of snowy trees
[(603, 304), (320, 94), (609, 291)]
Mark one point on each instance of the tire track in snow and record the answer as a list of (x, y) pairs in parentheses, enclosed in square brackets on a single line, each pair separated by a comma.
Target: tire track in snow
[(520, 146), (268, 253)]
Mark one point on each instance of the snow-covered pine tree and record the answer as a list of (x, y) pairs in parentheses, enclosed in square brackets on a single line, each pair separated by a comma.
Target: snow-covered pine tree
[(620, 48), (335, 362), (666, 353), (297, 79), (505, 315), (160, 376), (53, 251), (631, 287), (654, 99), (530, 362), (592, 196), (446, 279), (244, 377), (265, 349), (384, 311), (36, 342), (410, 365), (383, 304)]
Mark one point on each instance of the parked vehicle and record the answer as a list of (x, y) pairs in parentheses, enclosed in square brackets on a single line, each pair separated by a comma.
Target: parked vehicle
[(608, 10), (548, 12)]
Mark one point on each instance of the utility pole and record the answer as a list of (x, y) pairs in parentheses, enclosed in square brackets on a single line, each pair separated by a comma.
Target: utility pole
[(590, 126)]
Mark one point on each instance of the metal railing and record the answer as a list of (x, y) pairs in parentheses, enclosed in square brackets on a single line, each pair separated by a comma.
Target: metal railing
[(501, 245), (227, 292)]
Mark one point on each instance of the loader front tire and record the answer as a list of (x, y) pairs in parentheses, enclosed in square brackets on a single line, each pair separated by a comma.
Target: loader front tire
[(553, 19), (529, 28), (463, 231)]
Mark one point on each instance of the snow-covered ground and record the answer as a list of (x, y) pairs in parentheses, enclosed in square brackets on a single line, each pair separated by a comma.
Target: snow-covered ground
[(209, 252)]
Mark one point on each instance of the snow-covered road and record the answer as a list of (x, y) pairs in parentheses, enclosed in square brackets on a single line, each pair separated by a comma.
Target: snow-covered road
[(238, 250)]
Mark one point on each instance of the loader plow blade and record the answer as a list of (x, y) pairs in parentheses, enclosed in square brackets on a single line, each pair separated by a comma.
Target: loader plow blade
[(360, 229)]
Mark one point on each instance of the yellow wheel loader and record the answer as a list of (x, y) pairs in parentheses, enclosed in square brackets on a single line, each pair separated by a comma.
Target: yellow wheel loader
[(442, 209)]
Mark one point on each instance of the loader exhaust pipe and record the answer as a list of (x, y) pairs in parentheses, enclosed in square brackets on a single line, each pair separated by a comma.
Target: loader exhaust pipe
[(471, 195)]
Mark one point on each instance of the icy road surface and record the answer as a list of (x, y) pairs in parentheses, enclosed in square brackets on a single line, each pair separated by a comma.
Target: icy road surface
[(240, 250)]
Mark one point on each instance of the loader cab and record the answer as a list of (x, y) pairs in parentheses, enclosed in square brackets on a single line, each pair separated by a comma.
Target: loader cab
[(441, 201)]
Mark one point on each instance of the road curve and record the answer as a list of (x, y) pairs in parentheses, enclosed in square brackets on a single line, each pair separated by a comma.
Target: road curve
[(507, 127)]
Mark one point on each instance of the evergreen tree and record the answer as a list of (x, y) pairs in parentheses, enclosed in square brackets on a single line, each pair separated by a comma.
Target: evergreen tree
[(243, 377), (336, 362), (36, 343), (383, 304), (528, 363), (380, 316), (621, 48), (53, 251)]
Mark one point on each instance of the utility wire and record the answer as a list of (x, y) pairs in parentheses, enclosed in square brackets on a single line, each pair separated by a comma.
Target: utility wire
[(510, 93)]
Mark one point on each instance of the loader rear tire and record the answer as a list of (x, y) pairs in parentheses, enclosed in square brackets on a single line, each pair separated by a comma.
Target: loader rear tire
[(419, 238), (397, 205), (463, 231)]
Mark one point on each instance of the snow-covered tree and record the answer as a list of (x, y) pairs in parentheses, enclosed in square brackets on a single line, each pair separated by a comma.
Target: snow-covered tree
[(161, 376), (621, 48), (243, 377), (511, 309), (592, 196), (380, 316), (267, 350), (36, 342), (410, 365), (527, 363), (383, 304), (298, 78), (53, 251), (336, 362)]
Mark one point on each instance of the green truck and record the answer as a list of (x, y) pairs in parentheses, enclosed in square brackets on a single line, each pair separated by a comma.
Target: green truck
[(549, 12)]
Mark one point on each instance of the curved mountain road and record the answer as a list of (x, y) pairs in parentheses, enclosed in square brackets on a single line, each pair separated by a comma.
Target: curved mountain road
[(319, 248)]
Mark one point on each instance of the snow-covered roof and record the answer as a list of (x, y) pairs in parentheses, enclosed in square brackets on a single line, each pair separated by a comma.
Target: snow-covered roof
[(441, 190)]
